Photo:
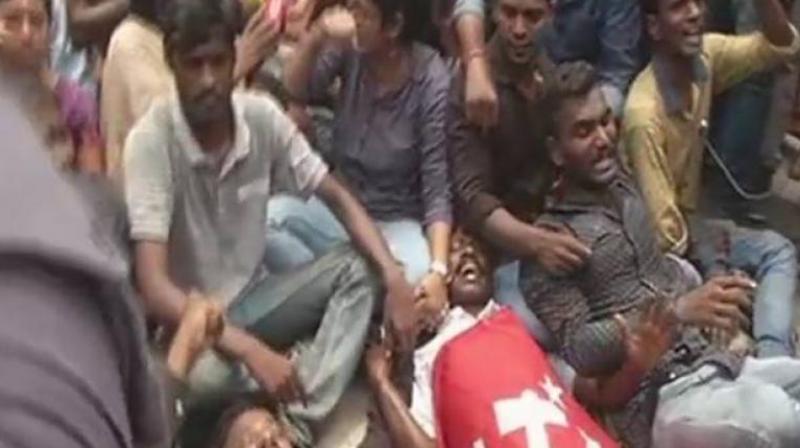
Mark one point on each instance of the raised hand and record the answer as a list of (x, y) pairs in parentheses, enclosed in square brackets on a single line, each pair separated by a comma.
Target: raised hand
[(650, 336)]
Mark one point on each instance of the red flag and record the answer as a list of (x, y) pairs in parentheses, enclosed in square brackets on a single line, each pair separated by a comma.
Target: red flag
[(495, 388)]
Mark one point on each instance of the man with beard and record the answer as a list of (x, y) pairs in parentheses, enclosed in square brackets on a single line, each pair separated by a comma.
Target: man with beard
[(502, 174), (200, 167), (665, 131), (698, 395)]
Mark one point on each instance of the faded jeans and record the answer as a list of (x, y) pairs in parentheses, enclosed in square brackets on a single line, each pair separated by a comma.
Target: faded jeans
[(758, 409), (300, 231), (329, 302), (508, 293), (771, 260)]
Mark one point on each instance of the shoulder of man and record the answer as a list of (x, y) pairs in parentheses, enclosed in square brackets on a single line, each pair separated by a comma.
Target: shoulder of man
[(258, 106), (430, 67), (587, 226), (154, 129)]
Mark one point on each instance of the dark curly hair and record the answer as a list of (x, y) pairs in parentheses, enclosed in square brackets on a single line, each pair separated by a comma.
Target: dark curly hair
[(187, 24), (569, 80)]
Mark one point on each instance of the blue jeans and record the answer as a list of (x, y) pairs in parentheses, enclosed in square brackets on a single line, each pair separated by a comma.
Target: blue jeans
[(771, 260), (507, 292), (300, 231), (320, 311), (757, 409)]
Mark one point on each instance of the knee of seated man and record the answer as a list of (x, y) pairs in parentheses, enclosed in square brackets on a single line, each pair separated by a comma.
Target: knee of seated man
[(357, 266), (777, 245)]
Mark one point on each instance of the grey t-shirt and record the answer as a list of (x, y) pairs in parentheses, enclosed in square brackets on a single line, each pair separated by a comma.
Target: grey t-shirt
[(214, 222)]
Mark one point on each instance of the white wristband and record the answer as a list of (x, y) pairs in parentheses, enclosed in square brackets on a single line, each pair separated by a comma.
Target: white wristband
[(439, 267)]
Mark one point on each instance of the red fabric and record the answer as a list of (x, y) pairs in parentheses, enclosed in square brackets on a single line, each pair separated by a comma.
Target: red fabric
[(495, 388)]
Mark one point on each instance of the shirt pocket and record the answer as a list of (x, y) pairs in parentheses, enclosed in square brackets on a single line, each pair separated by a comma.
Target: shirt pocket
[(256, 189)]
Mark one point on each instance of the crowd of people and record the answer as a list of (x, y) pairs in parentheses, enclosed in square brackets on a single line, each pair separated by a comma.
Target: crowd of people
[(488, 213)]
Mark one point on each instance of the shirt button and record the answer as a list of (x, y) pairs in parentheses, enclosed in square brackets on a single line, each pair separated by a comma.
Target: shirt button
[(672, 376)]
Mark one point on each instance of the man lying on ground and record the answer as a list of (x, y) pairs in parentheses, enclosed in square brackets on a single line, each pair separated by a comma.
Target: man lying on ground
[(470, 287), (698, 394)]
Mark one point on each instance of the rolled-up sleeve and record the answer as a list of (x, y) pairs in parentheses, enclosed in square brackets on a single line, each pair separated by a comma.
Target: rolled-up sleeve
[(644, 147), (620, 49), (436, 194), (296, 168), (734, 58), (149, 191), (463, 7), (470, 163)]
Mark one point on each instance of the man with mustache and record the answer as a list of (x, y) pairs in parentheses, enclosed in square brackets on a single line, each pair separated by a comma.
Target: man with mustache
[(502, 174), (470, 290), (664, 135), (698, 394), (200, 167)]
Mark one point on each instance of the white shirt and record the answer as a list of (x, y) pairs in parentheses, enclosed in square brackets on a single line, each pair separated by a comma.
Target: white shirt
[(456, 322)]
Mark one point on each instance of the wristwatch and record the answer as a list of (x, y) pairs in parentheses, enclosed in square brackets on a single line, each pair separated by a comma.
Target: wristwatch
[(438, 267)]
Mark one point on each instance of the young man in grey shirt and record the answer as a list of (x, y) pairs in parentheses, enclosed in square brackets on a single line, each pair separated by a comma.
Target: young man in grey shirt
[(199, 169)]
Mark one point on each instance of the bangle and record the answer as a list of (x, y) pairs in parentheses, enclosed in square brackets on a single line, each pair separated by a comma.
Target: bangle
[(474, 54)]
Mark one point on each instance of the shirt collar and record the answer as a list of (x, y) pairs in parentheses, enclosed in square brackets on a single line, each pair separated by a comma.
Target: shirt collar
[(578, 200), (667, 87), (189, 144)]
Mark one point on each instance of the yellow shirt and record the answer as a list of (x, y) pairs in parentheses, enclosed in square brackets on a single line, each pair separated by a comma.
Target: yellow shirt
[(134, 74), (664, 143)]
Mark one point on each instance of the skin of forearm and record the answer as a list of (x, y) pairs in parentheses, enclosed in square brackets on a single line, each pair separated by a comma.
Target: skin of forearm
[(298, 69), (774, 22), (470, 33), (438, 234), (162, 298), (93, 24), (403, 430), (178, 356), (502, 229), (167, 303)]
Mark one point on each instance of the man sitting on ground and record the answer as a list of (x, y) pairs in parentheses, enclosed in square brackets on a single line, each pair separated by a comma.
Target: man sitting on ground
[(698, 395), (200, 167), (665, 135)]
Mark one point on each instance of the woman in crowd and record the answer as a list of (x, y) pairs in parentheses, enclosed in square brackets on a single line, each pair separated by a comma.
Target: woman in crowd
[(389, 134), (63, 112)]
